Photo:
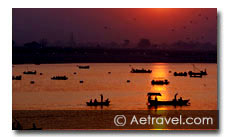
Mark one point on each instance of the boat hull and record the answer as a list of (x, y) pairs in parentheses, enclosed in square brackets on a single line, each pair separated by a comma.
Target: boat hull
[(171, 103), (98, 103)]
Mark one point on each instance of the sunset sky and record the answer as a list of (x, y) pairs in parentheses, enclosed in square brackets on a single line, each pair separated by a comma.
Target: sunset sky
[(106, 25)]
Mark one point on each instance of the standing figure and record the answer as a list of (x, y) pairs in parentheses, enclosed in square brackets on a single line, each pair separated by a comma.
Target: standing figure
[(101, 98)]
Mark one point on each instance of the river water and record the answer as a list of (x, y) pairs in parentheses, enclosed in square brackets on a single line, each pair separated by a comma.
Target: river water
[(47, 94)]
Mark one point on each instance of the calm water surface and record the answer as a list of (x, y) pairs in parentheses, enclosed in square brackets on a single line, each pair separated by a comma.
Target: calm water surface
[(47, 94)]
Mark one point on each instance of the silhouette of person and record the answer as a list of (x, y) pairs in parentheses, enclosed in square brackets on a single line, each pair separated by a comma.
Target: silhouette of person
[(91, 101), (156, 99), (95, 101), (149, 99), (175, 97), (180, 99), (34, 126), (101, 98)]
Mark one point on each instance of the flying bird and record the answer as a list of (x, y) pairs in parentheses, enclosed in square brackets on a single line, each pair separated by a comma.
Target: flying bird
[(106, 28)]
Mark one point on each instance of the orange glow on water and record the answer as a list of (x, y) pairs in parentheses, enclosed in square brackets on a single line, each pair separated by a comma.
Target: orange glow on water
[(160, 72)]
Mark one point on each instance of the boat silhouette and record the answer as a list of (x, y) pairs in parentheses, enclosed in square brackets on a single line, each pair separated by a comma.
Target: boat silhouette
[(96, 103), (140, 70), (160, 82), (105, 103), (30, 72), (17, 77), (197, 74), (180, 73), (59, 78), (83, 67), (174, 102)]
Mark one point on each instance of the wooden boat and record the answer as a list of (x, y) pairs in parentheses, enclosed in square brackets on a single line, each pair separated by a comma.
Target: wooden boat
[(180, 73), (83, 67), (196, 75), (160, 82), (30, 72), (174, 102), (96, 103), (105, 103), (59, 78), (140, 70), (17, 77)]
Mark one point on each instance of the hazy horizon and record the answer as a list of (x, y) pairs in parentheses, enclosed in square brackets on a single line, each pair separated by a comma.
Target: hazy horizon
[(107, 25)]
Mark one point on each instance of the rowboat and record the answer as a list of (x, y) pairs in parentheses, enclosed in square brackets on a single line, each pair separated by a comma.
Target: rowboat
[(106, 103), (174, 102), (140, 71), (83, 67)]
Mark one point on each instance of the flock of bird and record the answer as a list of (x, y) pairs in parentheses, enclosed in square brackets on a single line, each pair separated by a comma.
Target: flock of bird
[(185, 28)]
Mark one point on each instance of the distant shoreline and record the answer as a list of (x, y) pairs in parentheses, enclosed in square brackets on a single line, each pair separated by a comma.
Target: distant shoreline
[(50, 56), (109, 62), (110, 59)]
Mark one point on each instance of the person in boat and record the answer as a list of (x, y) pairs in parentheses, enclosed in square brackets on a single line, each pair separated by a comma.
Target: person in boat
[(95, 101), (107, 100), (91, 101), (34, 126), (175, 97), (101, 98), (166, 81), (180, 100), (149, 98), (156, 99)]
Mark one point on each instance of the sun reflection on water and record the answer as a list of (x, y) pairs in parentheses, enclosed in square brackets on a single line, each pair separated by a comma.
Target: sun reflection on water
[(160, 72)]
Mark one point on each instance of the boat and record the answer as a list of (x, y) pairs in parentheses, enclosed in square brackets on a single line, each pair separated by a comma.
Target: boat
[(83, 67), (204, 72), (160, 82), (30, 72), (96, 103), (140, 70), (174, 102), (196, 75), (59, 78), (17, 77), (180, 73), (105, 103)]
